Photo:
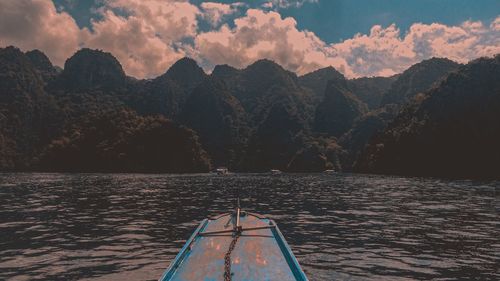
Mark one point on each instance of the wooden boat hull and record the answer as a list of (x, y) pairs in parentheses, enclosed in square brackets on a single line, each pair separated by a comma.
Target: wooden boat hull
[(261, 252)]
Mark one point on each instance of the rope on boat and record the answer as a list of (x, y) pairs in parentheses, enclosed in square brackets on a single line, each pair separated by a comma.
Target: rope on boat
[(227, 257), (236, 235)]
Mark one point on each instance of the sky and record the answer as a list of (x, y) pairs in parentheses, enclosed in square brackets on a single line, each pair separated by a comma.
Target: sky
[(357, 37)]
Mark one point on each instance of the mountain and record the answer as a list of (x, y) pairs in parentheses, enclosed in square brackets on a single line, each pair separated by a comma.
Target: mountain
[(279, 110), (185, 73), (25, 110), (92, 70), (371, 90), (275, 141), (225, 72), (263, 84), (361, 132), (42, 63), (92, 117), (81, 119), (338, 110), (417, 79), (452, 130), (158, 96), (219, 119), (392, 93), (318, 80), (122, 141), (317, 154), (167, 94)]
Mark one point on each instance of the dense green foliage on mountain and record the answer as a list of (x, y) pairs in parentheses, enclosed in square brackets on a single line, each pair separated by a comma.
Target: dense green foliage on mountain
[(451, 130), (122, 141), (42, 64), (167, 93), (405, 88), (371, 90), (338, 110), (317, 80), (418, 79), (27, 113), (219, 119), (91, 117), (91, 70)]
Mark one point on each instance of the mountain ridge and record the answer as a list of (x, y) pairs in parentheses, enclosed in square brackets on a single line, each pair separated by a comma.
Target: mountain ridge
[(257, 118)]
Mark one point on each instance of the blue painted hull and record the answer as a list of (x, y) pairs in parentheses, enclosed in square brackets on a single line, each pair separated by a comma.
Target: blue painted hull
[(260, 253)]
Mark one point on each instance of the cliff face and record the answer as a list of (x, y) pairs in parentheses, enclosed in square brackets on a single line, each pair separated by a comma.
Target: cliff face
[(452, 131), (42, 63), (338, 110), (371, 90), (121, 141), (418, 79), (253, 119), (397, 91), (318, 80), (219, 119), (92, 69), (26, 111)]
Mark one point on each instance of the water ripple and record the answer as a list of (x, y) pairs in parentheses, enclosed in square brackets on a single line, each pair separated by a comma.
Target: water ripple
[(340, 226)]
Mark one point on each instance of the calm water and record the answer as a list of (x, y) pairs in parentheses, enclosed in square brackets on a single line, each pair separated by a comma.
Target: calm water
[(347, 227)]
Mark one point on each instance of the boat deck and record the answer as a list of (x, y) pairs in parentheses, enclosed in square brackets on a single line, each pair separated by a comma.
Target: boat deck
[(259, 254)]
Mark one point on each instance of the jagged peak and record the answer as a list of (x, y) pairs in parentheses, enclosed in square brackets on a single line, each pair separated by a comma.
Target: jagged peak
[(184, 64), (38, 54), (224, 69), (265, 63), (425, 64), (326, 71), (86, 55), (185, 72), (41, 61), (269, 68), (12, 53), (11, 49), (91, 68)]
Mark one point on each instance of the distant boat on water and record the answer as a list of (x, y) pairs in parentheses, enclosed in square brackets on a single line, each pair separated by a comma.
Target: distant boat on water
[(275, 171), (235, 246), (329, 171), (222, 171)]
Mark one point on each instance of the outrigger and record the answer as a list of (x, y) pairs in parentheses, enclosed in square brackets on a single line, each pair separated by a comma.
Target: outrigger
[(235, 246)]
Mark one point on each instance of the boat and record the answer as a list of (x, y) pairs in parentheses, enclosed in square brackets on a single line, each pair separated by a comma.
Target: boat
[(235, 246), (275, 171), (329, 171), (222, 171)]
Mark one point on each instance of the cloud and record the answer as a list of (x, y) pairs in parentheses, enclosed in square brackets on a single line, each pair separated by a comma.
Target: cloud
[(385, 51), (215, 12), (277, 4), (36, 24), (148, 36), (262, 34), (382, 52)]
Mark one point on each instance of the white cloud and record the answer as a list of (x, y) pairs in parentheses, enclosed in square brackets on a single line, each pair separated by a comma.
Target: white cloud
[(214, 12), (277, 4), (148, 36), (36, 24), (384, 51), (262, 34)]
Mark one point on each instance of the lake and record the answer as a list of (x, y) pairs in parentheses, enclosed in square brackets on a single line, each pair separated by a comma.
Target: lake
[(340, 226)]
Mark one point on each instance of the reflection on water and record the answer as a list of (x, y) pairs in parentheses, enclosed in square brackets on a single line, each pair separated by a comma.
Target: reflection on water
[(347, 227)]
